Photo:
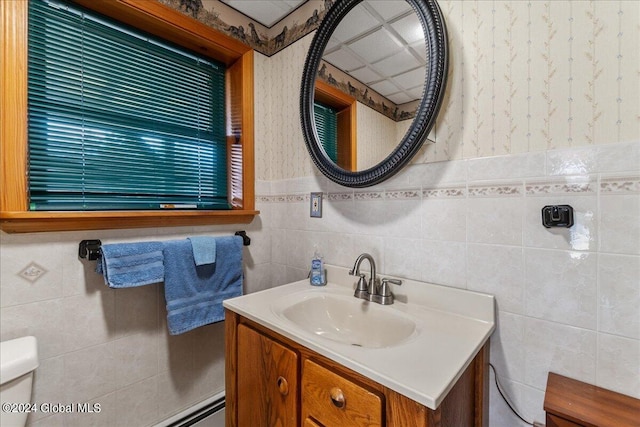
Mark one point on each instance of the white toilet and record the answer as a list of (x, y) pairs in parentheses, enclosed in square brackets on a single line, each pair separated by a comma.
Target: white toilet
[(18, 360)]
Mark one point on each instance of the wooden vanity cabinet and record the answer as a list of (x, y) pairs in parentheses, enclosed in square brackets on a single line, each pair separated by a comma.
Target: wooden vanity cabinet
[(273, 381), (268, 380)]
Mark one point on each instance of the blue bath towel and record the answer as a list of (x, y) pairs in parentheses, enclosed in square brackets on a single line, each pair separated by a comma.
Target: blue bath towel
[(125, 265), (204, 249), (194, 294)]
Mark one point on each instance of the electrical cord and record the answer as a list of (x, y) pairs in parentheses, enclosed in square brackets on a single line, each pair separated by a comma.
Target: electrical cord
[(499, 387)]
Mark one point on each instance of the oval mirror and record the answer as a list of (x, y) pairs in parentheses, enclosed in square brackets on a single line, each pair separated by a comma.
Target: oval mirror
[(372, 85)]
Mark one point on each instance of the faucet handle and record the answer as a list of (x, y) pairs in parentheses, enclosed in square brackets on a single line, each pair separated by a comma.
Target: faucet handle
[(384, 288), (361, 288), (362, 282)]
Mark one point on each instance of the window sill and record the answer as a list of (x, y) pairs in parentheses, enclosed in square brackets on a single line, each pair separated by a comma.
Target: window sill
[(31, 222)]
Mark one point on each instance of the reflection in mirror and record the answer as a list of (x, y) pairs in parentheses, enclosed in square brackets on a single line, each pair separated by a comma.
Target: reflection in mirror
[(369, 83), (335, 118), (372, 84)]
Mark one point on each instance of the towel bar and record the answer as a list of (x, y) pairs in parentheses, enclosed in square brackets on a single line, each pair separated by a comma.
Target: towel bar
[(246, 240), (90, 249)]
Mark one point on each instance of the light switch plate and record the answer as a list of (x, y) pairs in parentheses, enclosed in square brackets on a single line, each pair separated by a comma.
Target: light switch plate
[(316, 205)]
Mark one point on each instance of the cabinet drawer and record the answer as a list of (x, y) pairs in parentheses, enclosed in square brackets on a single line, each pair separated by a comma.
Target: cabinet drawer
[(333, 400)]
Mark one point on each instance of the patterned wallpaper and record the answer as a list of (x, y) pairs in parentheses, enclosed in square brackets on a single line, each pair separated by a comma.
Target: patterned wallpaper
[(279, 146), (537, 75), (376, 136), (524, 76)]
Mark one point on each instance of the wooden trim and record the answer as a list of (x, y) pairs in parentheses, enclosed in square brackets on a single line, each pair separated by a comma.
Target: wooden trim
[(240, 129), (481, 379), (402, 411), (156, 19), (347, 122), (248, 157), (27, 222), (169, 24), (329, 95), (347, 137), (459, 406), (231, 367), (577, 403), (13, 105), (553, 421)]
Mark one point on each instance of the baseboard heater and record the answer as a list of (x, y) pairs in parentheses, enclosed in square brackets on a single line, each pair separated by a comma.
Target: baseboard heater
[(196, 413)]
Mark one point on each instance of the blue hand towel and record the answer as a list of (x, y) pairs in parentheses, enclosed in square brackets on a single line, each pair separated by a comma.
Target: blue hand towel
[(125, 265), (194, 294), (204, 249)]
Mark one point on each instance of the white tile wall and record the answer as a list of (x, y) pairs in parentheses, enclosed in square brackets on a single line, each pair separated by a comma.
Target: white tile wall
[(111, 347), (618, 367), (619, 295), (567, 299), (561, 286)]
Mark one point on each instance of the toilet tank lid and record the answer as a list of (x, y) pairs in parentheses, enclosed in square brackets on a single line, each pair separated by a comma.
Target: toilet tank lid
[(17, 357)]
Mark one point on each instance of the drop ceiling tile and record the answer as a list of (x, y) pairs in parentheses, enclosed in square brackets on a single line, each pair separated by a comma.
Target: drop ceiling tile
[(343, 60), (416, 92), (365, 75), (396, 64), (420, 48), (411, 79), (409, 28), (399, 98), (376, 46), (385, 88), (358, 21), (266, 12), (389, 8), (332, 44)]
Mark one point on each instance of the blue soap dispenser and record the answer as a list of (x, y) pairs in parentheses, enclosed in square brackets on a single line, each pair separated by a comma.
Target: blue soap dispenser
[(317, 276)]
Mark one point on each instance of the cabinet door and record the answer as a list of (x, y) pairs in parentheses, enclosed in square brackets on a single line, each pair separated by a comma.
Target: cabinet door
[(267, 381), (333, 400)]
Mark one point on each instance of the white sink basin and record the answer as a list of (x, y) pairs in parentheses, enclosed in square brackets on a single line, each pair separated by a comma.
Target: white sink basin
[(418, 348), (347, 320)]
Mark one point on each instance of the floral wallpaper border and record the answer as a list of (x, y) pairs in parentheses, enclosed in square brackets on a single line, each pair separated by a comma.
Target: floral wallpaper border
[(618, 184), (267, 41)]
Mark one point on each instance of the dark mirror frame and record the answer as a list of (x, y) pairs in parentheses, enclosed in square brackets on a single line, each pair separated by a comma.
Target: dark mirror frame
[(435, 32)]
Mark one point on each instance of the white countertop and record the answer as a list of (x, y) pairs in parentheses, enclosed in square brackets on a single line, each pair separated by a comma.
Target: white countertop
[(452, 325)]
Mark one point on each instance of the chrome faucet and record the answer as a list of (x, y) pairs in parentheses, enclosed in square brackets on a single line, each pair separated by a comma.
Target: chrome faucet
[(371, 291), (362, 289)]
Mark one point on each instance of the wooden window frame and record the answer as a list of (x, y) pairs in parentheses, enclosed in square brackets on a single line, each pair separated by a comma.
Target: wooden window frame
[(168, 24), (347, 122)]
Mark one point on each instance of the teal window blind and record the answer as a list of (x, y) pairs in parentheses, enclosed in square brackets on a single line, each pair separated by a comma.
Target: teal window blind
[(326, 119), (119, 120)]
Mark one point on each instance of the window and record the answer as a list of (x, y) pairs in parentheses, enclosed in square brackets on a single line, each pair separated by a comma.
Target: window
[(327, 126), (226, 67), (118, 120), (336, 123)]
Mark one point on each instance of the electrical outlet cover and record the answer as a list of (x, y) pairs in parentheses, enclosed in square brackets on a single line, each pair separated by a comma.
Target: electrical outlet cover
[(316, 205)]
